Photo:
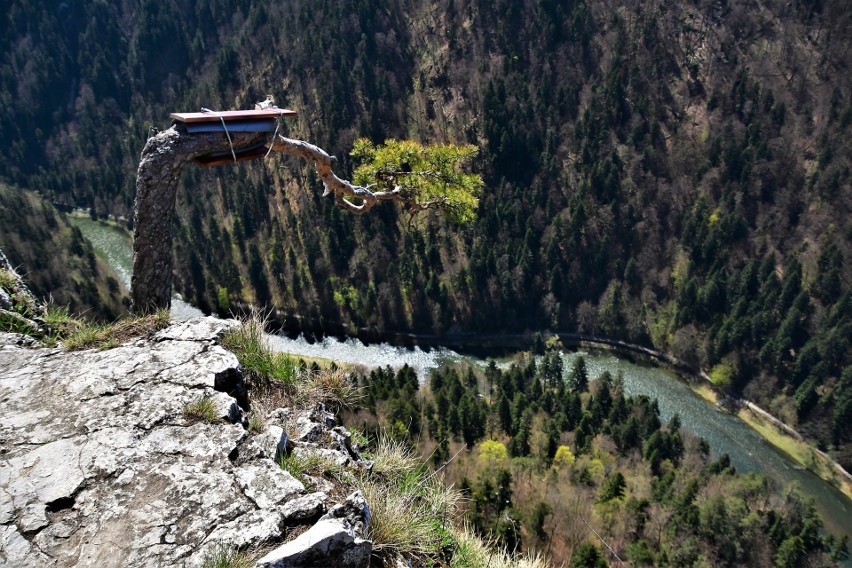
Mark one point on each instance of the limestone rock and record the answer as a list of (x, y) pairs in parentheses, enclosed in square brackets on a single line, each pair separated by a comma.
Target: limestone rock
[(271, 444), (255, 528), (354, 510), (306, 451), (321, 415), (309, 431), (18, 340), (100, 467), (303, 509), (330, 542), (268, 485), (197, 329), (278, 416)]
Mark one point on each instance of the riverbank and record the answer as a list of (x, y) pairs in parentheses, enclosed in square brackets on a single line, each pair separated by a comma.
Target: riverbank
[(784, 438), (795, 447)]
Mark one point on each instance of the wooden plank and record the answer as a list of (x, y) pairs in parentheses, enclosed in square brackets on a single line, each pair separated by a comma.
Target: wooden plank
[(266, 125), (229, 115)]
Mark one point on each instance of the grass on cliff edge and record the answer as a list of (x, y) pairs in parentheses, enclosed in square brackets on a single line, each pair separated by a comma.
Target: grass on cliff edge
[(52, 324), (86, 335), (278, 377), (414, 514)]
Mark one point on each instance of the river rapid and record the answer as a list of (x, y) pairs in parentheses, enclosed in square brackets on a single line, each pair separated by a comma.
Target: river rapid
[(725, 433)]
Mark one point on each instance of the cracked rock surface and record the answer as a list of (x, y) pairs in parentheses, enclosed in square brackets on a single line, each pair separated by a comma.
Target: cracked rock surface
[(100, 467)]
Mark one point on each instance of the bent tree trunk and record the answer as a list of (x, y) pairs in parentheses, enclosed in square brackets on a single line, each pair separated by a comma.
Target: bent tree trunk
[(163, 159)]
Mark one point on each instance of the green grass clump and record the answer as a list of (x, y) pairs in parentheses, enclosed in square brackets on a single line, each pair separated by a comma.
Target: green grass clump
[(224, 557), (275, 376), (7, 280), (411, 509), (255, 356), (202, 409), (300, 465), (414, 514), (256, 423)]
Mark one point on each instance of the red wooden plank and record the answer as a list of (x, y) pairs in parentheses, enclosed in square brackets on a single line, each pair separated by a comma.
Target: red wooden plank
[(230, 115)]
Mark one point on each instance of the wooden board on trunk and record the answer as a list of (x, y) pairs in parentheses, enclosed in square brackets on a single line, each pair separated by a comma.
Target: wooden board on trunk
[(231, 115)]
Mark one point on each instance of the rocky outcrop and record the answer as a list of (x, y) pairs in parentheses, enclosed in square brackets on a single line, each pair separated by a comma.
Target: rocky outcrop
[(101, 466)]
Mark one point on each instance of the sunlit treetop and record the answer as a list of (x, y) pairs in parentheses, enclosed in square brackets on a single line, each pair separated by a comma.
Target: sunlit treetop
[(425, 177)]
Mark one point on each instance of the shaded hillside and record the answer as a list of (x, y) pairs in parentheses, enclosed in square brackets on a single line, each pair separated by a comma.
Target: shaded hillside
[(54, 257), (674, 175)]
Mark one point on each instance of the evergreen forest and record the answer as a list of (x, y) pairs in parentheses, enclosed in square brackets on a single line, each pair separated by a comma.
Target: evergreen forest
[(555, 461)]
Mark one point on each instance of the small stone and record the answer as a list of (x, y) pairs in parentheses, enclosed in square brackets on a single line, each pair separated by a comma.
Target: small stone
[(321, 415), (334, 456), (354, 510), (342, 439), (279, 416), (318, 483), (226, 407), (309, 431), (304, 509), (197, 329), (32, 519), (271, 444), (254, 529)]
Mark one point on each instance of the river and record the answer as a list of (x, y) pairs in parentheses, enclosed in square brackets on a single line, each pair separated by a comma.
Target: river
[(724, 432)]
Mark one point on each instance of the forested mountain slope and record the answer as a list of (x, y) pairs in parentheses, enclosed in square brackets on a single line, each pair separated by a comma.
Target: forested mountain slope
[(674, 174), (59, 264)]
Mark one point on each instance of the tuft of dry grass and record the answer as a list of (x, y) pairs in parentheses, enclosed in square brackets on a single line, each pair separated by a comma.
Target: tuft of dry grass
[(393, 458), (90, 335), (333, 387), (225, 557), (412, 510), (277, 379), (472, 551)]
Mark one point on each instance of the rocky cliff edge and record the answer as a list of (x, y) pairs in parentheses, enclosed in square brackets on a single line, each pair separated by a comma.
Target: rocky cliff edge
[(101, 465)]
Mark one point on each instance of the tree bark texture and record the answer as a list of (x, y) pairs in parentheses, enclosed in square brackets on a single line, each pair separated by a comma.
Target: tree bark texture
[(162, 160)]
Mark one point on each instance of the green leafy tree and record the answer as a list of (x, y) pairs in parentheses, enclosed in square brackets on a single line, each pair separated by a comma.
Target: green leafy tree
[(431, 176), (587, 555), (564, 457), (492, 451)]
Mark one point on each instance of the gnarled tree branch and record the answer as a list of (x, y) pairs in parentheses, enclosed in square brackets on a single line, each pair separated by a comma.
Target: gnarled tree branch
[(163, 159), (341, 188)]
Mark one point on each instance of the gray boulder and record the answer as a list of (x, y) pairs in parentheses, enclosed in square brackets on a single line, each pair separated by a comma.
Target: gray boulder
[(330, 542)]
